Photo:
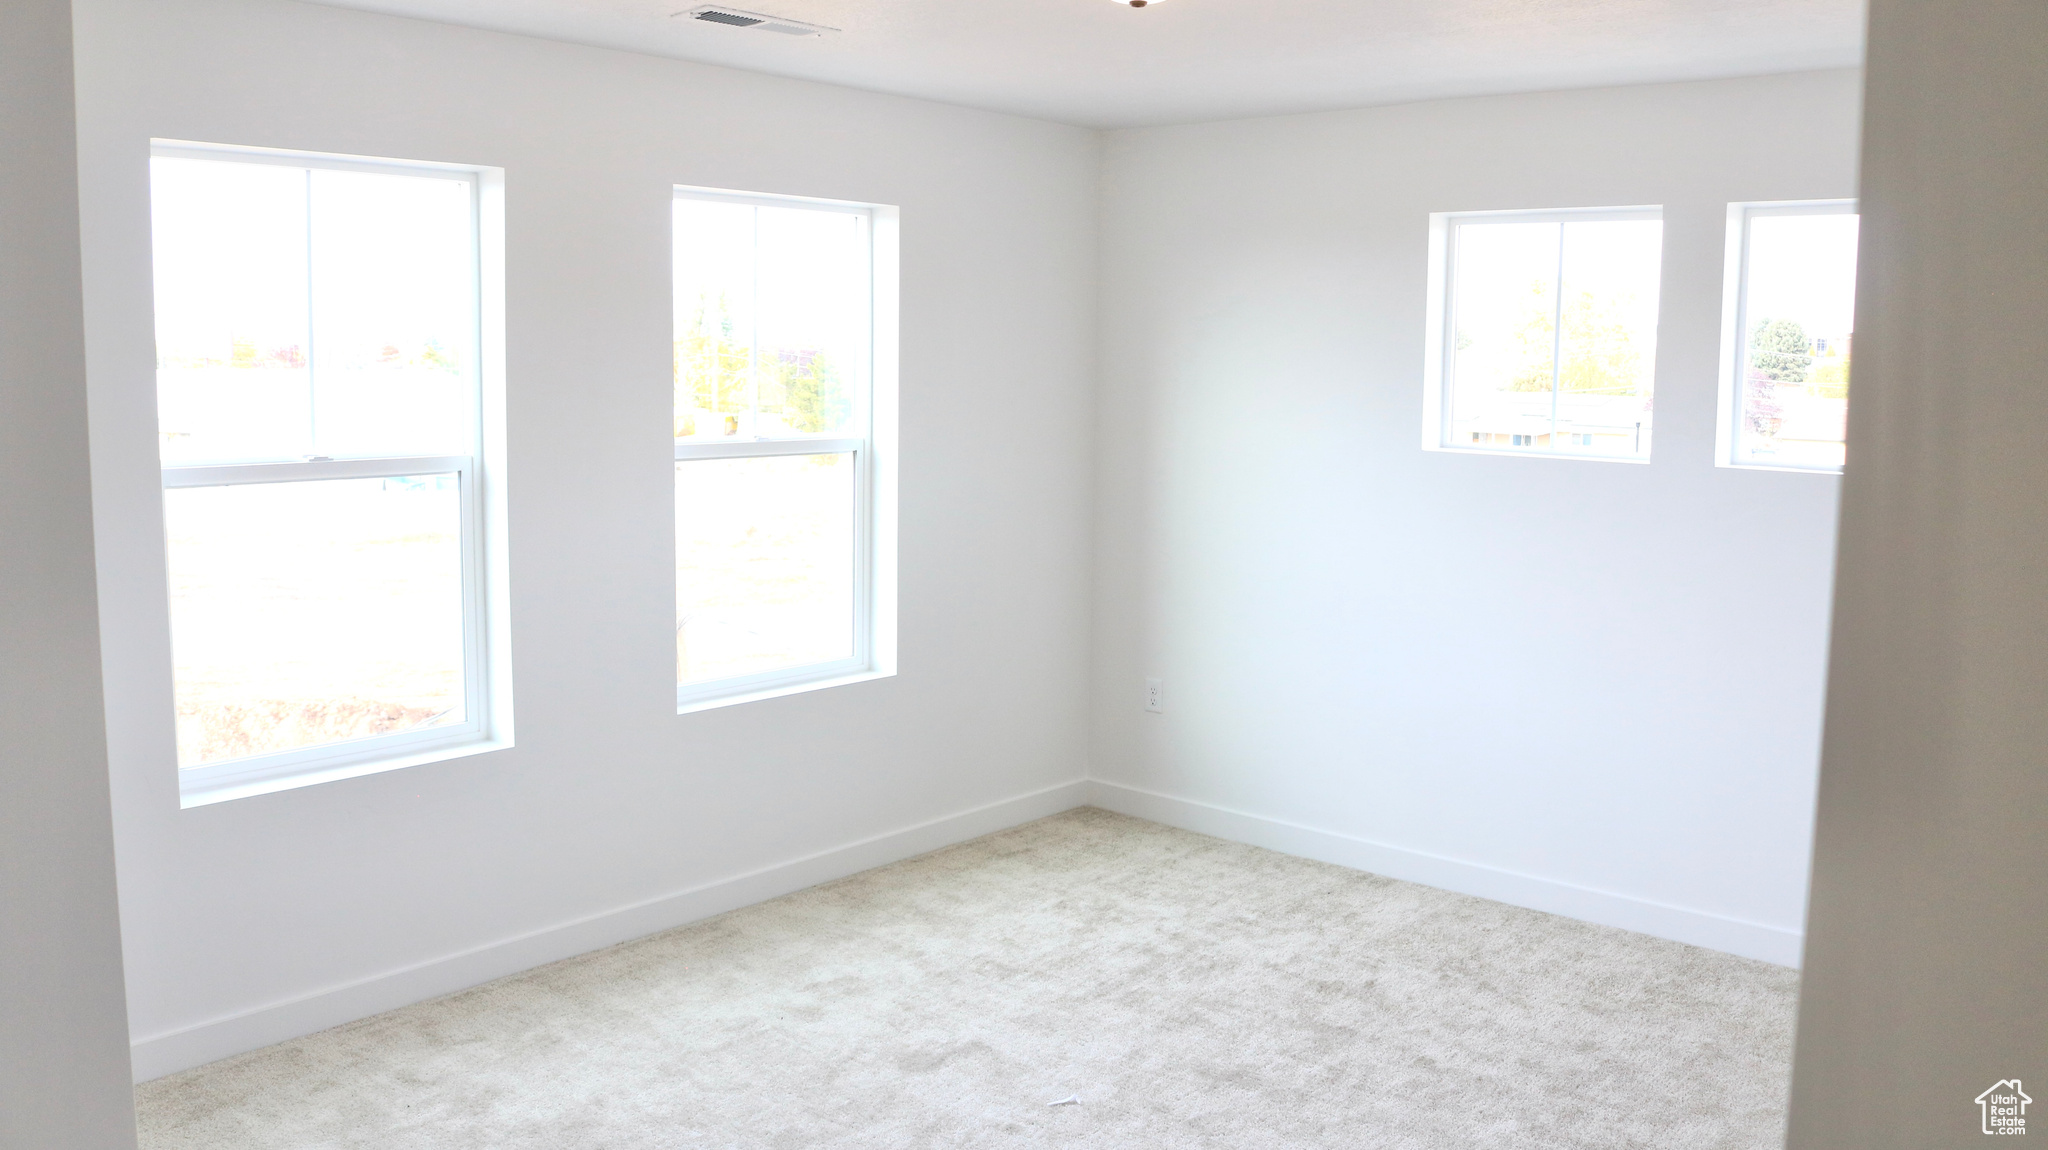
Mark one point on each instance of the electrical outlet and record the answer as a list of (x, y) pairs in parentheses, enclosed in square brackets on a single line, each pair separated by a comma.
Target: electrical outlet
[(1155, 697)]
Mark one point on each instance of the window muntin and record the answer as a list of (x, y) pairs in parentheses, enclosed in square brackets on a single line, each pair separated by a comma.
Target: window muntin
[(317, 329), (774, 456), (1545, 337), (1788, 329)]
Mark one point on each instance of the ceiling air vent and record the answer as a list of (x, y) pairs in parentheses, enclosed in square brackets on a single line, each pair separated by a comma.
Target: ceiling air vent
[(740, 18)]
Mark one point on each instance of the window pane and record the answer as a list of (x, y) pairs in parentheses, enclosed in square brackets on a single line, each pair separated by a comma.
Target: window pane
[(393, 318), (310, 613), (311, 312), (772, 320), (764, 564), (1553, 338), (229, 245), (1503, 343), (814, 320), (714, 303), (1799, 303), (1608, 348)]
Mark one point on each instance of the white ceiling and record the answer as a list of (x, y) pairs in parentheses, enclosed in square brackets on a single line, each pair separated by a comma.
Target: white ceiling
[(1103, 64)]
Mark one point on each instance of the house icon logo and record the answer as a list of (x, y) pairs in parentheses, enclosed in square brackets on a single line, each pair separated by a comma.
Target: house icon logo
[(2004, 1108)]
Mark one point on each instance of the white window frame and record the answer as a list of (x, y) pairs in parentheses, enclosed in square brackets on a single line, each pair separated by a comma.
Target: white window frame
[(1441, 324), (1735, 326), (872, 445), (486, 663)]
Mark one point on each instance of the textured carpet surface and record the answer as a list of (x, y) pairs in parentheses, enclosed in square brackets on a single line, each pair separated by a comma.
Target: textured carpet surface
[(1190, 992)]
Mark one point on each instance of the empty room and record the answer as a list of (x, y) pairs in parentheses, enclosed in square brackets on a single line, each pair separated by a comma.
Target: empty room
[(887, 573)]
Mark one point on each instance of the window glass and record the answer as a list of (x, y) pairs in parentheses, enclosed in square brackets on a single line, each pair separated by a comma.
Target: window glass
[(232, 311), (1798, 308), (771, 320), (714, 321), (313, 612), (305, 312), (393, 319), (1552, 334), (764, 564)]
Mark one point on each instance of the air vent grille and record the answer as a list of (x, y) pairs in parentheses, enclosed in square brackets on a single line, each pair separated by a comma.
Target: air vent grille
[(741, 18)]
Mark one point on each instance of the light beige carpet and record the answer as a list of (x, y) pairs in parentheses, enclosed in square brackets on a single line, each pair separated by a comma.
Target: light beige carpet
[(1190, 992)]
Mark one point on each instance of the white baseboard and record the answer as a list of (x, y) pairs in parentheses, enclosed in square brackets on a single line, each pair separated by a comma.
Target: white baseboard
[(1699, 928), (195, 1045), (160, 1054)]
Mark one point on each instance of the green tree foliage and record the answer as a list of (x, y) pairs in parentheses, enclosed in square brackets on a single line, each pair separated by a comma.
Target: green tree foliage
[(811, 393), (1830, 378), (1780, 351), (711, 367), (436, 357), (715, 373), (1599, 354), (242, 352)]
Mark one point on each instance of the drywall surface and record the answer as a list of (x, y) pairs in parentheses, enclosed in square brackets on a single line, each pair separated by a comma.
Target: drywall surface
[(63, 1031), (1925, 980), (256, 918), (1587, 687)]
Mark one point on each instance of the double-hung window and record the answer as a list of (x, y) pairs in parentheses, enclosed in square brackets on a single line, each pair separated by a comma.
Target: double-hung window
[(1788, 309), (780, 581), (319, 413), (1543, 332)]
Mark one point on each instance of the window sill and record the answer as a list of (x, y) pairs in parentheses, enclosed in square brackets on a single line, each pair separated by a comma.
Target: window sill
[(1784, 468), (206, 794), (1512, 453), (779, 690)]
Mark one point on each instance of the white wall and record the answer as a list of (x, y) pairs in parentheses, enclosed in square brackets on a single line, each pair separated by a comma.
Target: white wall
[(1925, 980), (63, 1032), (256, 919), (1587, 687)]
